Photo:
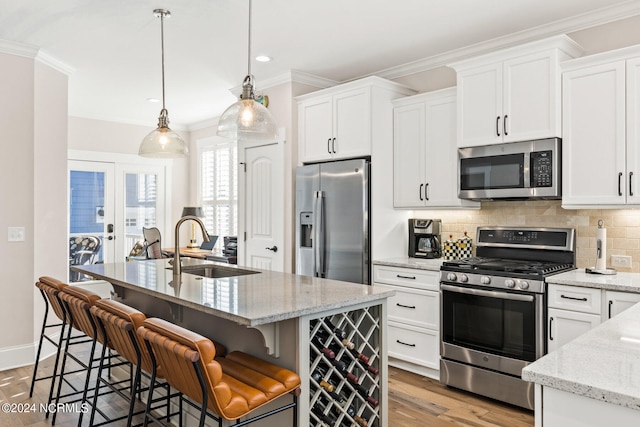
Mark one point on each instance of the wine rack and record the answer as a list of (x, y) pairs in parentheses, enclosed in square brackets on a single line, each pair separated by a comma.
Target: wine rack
[(345, 369)]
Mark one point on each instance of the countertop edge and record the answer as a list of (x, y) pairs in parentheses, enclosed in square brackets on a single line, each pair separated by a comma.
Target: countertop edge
[(407, 262), (622, 281)]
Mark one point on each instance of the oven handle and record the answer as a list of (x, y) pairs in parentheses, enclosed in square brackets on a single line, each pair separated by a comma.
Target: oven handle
[(491, 294)]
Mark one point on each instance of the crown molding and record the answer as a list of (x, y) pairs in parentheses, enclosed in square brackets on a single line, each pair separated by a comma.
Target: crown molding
[(575, 23), (35, 53), (291, 76)]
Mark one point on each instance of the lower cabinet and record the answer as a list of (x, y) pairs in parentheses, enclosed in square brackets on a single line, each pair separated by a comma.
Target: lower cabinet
[(413, 318), (574, 310)]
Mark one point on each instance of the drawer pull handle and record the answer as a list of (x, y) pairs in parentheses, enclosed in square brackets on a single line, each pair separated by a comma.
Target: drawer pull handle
[(574, 298), (406, 306), (404, 343), (400, 276)]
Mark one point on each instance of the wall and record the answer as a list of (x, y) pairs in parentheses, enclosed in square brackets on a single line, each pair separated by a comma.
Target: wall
[(623, 225), (33, 189)]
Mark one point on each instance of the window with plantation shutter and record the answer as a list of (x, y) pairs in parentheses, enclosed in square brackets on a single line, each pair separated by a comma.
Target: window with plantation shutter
[(218, 186)]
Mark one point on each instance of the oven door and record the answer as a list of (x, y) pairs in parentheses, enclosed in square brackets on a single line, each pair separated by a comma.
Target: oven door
[(496, 330)]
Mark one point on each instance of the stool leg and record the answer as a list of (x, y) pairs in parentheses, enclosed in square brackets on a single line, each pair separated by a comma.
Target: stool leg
[(88, 378), (94, 403), (59, 376), (154, 366), (44, 327)]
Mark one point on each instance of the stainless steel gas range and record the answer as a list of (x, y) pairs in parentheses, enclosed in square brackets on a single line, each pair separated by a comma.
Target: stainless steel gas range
[(493, 309)]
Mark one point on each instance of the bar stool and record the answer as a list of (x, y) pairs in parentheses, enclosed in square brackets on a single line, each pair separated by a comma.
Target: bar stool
[(49, 288), (229, 387), (118, 323), (77, 302)]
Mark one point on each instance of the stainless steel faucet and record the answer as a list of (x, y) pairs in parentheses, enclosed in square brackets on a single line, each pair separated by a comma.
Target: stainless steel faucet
[(177, 267)]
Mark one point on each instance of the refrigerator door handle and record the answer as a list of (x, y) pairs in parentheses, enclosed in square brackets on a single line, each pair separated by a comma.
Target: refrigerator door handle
[(318, 222)]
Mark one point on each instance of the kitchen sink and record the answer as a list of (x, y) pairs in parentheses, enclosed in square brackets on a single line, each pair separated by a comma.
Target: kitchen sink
[(214, 271)]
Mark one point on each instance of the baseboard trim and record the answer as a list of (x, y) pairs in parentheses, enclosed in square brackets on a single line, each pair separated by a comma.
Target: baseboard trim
[(25, 355)]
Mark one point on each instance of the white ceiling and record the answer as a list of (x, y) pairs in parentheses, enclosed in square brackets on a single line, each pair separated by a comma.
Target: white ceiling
[(113, 47)]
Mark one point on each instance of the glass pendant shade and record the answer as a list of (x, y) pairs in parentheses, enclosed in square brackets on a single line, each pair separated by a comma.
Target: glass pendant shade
[(163, 142), (249, 120)]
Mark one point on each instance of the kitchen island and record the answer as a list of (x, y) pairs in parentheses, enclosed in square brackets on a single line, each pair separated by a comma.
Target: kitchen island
[(593, 380), (274, 316)]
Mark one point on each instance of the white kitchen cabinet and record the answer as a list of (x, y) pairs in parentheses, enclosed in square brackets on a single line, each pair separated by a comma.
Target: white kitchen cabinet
[(414, 318), (574, 310), (615, 302), (601, 130), (513, 94), (342, 121), (566, 325), (425, 152)]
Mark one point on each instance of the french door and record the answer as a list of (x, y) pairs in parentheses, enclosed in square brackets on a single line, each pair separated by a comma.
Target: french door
[(109, 204)]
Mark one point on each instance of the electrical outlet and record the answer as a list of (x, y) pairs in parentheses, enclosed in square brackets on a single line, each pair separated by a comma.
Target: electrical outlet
[(622, 261), (16, 234)]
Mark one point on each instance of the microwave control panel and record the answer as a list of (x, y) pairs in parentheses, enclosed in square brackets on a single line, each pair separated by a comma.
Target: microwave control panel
[(541, 169)]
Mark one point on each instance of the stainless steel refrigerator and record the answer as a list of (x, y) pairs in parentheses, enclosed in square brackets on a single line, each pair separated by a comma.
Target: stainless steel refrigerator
[(332, 220)]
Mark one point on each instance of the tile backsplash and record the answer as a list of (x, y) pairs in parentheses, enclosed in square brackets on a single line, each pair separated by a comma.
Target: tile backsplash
[(623, 225)]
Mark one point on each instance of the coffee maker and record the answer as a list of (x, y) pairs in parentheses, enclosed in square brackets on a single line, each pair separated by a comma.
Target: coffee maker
[(424, 238)]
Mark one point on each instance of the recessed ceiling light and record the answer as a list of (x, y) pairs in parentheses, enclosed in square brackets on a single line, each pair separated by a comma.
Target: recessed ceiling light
[(153, 100), (263, 58)]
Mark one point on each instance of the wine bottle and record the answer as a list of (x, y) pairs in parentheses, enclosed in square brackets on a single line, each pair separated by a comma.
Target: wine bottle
[(361, 421), (323, 349), (339, 332), (364, 393), (325, 418), (361, 358), (342, 368)]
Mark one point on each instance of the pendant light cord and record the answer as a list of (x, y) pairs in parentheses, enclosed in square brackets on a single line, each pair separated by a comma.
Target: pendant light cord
[(162, 14), (249, 48)]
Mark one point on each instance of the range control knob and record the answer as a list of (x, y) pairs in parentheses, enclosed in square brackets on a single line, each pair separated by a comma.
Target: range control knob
[(509, 283), (523, 284), (485, 280), (464, 278), (452, 277)]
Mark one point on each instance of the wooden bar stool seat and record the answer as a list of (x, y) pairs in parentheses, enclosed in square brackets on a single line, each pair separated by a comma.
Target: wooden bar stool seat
[(231, 387)]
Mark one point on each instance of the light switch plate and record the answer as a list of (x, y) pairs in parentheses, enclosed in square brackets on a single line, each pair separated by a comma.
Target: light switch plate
[(16, 234)]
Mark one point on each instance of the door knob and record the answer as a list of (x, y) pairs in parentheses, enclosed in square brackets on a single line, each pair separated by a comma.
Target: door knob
[(273, 248)]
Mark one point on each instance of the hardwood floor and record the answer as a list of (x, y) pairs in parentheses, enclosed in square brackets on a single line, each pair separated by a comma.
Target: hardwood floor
[(414, 401)]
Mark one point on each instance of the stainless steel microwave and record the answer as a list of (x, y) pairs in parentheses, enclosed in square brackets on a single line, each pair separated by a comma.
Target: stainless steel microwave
[(516, 170)]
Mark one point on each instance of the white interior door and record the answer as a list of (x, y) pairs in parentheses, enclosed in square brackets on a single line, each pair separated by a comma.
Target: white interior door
[(262, 213)]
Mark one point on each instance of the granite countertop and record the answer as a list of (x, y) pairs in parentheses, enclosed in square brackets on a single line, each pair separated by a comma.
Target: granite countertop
[(625, 282), (407, 262), (603, 364), (251, 300)]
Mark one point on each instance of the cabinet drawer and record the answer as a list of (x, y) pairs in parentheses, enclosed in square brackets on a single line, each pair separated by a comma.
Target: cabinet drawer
[(414, 345), (414, 278), (415, 307), (584, 300)]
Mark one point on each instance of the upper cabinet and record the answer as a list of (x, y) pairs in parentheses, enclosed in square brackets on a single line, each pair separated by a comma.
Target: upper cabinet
[(341, 122), (425, 152), (513, 94), (601, 130)]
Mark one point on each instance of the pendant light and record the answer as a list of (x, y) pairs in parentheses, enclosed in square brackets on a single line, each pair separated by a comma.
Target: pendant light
[(163, 142), (247, 119)]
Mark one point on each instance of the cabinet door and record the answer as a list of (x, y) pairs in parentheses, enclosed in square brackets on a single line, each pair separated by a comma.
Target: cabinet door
[(316, 132), (531, 98), (617, 302), (564, 326), (409, 140), (633, 130), (480, 106), (352, 123), (593, 163), (441, 156)]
